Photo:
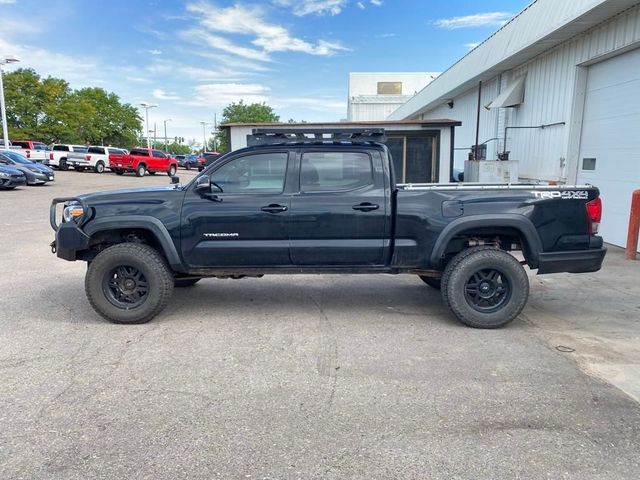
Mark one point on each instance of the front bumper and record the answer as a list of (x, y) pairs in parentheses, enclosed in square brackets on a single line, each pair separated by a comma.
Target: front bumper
[(39, 178), (12, 181), (576, 261)]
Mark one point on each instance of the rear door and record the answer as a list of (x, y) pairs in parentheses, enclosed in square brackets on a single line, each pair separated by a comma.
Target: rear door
[(340, 214)]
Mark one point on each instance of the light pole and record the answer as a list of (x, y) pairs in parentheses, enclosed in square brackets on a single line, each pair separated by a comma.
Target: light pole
[(204, 135), (166, 145), (146, 107), (5, 129)]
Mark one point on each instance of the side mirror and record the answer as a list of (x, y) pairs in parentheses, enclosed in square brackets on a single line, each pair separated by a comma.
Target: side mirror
[(203, 184), (175, 180)]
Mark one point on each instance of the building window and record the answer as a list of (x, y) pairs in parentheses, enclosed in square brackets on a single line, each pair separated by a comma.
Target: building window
[(389, 88)]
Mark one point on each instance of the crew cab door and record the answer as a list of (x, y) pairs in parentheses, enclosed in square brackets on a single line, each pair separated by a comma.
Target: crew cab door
[(340, 216), (242, 219)]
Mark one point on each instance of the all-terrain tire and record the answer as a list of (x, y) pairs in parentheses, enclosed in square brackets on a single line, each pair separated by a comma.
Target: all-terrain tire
[(502, 271), (185, 282), (433, 282), (154, 270)]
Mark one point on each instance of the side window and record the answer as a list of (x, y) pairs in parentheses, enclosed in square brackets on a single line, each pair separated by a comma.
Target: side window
[(158, 154), (261, 173), (334, 171)]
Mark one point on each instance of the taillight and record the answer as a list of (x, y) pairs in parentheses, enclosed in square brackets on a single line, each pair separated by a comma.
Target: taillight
[(51, 156), (28, 153), (88, 157), (594, 213)]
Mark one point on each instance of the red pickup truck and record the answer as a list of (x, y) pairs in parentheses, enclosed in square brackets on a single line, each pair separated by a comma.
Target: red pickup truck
[(142, 160)]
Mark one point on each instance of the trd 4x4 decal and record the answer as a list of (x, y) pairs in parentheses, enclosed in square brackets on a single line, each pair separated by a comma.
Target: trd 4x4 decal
[(564, 195)]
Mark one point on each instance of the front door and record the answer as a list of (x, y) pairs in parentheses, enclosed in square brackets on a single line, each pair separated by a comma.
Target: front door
[(242, 221), (340, 216)]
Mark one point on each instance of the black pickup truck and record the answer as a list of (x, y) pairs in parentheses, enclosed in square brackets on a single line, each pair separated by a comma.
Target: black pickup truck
[(300, 205)]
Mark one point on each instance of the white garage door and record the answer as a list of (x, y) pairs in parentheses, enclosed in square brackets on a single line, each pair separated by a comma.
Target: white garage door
[(610, 141)]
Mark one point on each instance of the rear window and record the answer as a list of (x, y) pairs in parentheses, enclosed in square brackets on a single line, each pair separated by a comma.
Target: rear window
[(140, 152), (98, 150)]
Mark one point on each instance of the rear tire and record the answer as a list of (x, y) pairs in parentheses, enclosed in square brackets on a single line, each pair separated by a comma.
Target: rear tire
[(99, 167), (188, 166), (141, 170), (185, 282), (128, 283), (485, 287), (172, 170), (433, 282), (62, 164)]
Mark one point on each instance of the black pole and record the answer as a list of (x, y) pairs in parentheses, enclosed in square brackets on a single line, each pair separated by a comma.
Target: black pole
[(475, 150)]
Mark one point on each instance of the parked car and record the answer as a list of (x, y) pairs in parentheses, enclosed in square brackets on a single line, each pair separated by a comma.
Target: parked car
[(142, 160), (35, 173), (11, 178), (96, 158), (313, 207), (187, 161), (33, 150), (59, 155), (207, 159)]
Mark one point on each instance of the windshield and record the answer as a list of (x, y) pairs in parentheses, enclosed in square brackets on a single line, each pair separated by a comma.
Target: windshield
[(15, 157)]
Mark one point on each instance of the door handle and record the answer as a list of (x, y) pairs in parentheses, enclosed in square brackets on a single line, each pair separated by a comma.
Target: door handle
[(274, 208), (366, 207)]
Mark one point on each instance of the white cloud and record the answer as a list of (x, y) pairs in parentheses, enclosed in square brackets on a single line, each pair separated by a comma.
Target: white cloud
[(316, 7), (361, 5), (471, 45), (155, 52), (7, 2), (162, 95), (249, 21), (377, 3), (488, 19), (386, 35), (222, 94)]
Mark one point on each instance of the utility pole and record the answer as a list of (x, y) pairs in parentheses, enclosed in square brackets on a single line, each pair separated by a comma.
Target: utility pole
[(5, 128), (146, 107), (204, 135), (215, 131), (166, 145)]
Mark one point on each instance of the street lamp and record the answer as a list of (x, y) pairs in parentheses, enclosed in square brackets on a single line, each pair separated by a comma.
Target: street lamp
[(5, 129), (146, 107), (166, 145), (204, 135)]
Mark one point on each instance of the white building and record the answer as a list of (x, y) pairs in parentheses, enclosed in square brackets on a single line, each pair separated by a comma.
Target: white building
[(561, 85), (373, 96)]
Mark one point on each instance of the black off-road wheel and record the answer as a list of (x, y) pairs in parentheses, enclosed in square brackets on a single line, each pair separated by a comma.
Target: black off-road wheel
[(485, 287), (433, 282), (129, 283), (62, 165), (185, 282), (141, 170)]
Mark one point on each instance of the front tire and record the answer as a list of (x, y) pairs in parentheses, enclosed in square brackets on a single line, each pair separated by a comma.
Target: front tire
[(128, 283), (141, 170), (485, 287)]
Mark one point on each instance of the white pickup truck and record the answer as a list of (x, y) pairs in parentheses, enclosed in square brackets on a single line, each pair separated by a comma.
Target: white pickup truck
[(95, 158), (59, 154), (34, 151)]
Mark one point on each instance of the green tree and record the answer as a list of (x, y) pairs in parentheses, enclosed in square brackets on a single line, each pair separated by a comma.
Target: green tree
[(48, 109), (241, 112), (173, 147)]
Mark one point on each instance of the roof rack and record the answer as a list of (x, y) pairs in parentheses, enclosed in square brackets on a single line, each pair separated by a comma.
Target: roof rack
[(273, 136)]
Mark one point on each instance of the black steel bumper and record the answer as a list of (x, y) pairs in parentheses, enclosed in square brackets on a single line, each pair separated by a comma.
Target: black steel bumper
[(576, 261)]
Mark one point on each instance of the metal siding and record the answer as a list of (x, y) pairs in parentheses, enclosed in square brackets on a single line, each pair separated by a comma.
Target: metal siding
[(549, 97)]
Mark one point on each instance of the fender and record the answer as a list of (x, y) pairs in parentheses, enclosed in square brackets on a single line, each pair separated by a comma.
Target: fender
[(511, 220), (155, 226)]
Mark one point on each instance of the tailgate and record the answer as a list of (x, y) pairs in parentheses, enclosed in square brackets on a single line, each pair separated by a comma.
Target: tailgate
[(119, 160)]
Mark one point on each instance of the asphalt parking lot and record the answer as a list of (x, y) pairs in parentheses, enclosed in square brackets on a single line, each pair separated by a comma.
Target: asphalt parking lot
[(309, 376)]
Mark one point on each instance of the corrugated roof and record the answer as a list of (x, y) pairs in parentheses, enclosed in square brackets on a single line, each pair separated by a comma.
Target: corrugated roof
[(540, 26)]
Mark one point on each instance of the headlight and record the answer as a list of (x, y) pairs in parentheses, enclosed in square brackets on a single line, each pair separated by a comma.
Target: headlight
[(72, 212), (4, 175)]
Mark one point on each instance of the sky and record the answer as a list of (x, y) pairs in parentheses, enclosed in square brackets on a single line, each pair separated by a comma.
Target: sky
[(194, 57)]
